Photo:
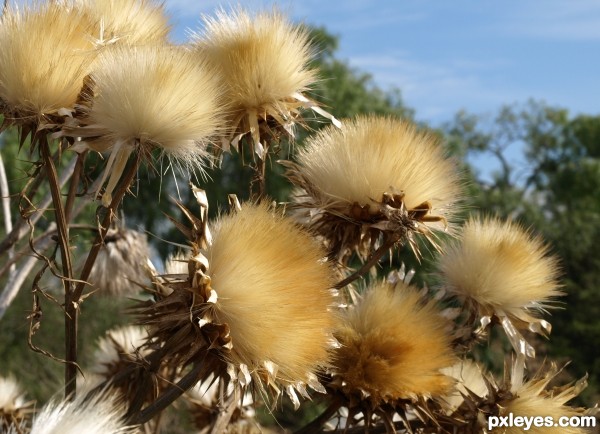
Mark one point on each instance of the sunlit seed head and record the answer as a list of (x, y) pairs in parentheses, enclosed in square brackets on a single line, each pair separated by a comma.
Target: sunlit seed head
[(502, 268), (134, 22), (263, 58), (273, 291), (159, 96), (393, 346), (531, 400), (46, 53), (374, 155), (468, 378), (14, 408), (99, 415)]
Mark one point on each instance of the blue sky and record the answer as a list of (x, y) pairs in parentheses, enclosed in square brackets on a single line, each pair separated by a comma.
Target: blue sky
[(459, 54)]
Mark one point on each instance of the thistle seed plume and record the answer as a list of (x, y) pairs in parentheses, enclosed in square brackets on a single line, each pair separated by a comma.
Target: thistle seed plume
[(119, 347), (134, 22), (273, 290), (392, 347), (97, 415), (501, 270), (534, 398), (14, 409), (264, 62), (469, 380), (376, 175), (121, 266), (151, 97), (46, 53)]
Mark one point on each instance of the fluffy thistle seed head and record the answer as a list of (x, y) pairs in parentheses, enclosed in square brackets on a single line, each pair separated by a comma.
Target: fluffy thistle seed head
[(13, 406), (98, 415), (534, 399), (134, 22), (117, 348), (273, 291), (46, 53), (502, 270), (392, 347), (376, 174), (151, 97), (121, 265), (264, 61)]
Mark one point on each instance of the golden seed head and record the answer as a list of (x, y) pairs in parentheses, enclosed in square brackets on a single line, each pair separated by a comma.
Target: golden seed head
[(502, 268), (46, 53), (373, 155), (469, 379), (273, 292), (134, 22), (264, 59), (393, 346)]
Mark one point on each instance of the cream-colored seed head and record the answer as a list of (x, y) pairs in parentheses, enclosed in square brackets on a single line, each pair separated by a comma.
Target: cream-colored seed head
[(531, 401), (393, 346), (99, 415), (134, 22), (46, 53), (374, 155), (157, 95), (263, 58), (119, 344), (502, 268), (273, 291), (469, 380)]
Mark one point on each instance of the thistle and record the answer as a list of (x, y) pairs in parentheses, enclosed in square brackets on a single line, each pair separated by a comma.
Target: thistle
[(46, 54), (264, 61), (392, 350), (255, 306), (376, 177), (502, 272), (133, 22), (122, 264), (146, 98), (14, 409), (97, 415)]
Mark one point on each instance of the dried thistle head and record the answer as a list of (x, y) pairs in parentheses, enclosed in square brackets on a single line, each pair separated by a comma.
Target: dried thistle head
[(134, 22), (150, 97), (121, 266), (257, 304), (469, 380), (501, 270), (14, 409), (264, 62), (46, 53), (392, 347), (119, 347), (377, 175), (97, 415)]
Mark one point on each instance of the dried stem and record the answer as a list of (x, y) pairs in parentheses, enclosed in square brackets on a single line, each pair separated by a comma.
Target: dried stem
[(373, 259), (5, 196), (20, 229), (259, 180), (72, 307), (170, 395), (67, 266), (76, 175)]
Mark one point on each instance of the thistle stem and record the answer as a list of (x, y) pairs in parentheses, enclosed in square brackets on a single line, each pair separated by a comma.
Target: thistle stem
[(67, 278), (72, 307), (373, 260)]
